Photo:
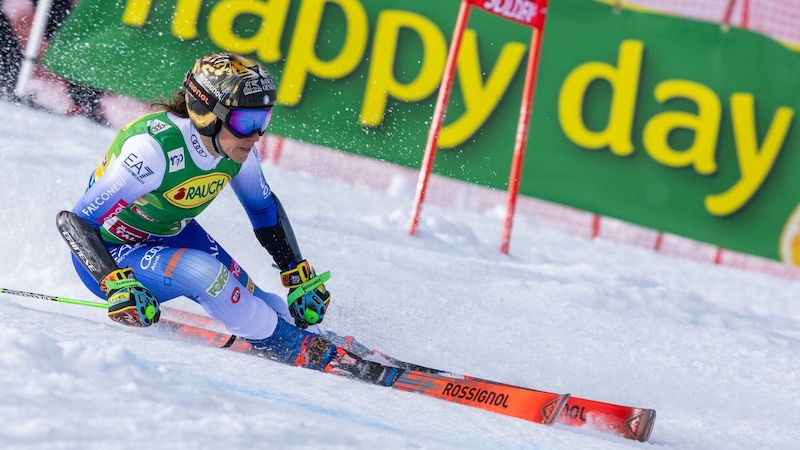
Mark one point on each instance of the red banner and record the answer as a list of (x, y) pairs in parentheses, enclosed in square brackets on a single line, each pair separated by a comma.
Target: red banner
[(526, 12)]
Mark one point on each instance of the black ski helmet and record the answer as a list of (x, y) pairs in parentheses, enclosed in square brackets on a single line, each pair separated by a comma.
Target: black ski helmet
[(223, 81)]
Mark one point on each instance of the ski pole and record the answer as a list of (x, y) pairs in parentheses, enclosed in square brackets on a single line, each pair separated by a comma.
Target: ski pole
[(72, 301), (53, 298), (302, 289)]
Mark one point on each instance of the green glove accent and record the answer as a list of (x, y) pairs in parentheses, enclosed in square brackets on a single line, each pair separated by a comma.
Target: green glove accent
[(115, 285), (308, 286)]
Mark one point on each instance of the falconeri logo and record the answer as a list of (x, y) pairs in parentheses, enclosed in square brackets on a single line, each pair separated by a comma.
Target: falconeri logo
[(197, 191)]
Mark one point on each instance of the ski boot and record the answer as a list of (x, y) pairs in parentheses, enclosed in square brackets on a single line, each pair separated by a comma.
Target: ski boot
[(292, 345)]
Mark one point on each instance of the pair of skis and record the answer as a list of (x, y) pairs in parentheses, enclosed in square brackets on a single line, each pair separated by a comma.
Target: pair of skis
[(506, 399), (510, 400)]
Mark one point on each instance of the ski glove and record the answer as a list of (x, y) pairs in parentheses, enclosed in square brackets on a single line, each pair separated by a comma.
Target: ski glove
[(129, 302), (309, 308)]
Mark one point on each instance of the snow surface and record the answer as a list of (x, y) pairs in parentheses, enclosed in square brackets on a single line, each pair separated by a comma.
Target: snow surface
[(713, 349)]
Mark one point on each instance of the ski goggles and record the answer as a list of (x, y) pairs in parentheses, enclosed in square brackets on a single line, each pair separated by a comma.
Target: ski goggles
[(244, 122)]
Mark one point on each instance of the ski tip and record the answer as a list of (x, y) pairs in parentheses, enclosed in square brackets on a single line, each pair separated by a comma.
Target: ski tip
[(640, 424), (648, 420), (552, 409)]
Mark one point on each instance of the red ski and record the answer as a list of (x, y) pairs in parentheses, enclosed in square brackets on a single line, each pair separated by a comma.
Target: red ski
[(509, 400), (624, 421)]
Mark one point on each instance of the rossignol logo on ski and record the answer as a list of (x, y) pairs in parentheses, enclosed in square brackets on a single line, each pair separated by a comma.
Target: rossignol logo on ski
[(474, 394), (574, 412), (197, 191)]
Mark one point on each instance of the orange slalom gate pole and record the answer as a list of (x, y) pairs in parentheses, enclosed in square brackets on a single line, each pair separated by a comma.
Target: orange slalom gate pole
[(522, 137), (438, 115)]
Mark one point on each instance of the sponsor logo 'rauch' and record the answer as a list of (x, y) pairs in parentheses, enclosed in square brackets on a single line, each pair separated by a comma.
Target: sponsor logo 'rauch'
[(197, 191)]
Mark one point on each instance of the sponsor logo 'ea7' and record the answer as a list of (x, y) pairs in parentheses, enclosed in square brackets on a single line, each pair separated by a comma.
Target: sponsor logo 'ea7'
[(197, 191)]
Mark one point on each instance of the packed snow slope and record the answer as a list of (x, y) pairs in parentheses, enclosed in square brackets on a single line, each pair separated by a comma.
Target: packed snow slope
[(713, 349)]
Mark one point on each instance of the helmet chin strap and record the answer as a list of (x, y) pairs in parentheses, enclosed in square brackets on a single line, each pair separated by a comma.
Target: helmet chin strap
[(217, 146)]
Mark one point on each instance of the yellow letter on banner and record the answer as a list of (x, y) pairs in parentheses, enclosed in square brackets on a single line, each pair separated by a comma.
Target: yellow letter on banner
[(480, 100), (754, 163), (136, 12), (705, 125), (381, 81), (624, 80), (302, 59), (265, 43), (184, 24)]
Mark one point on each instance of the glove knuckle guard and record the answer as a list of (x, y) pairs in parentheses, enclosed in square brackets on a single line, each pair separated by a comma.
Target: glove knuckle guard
[(129, 302), (298, 275)]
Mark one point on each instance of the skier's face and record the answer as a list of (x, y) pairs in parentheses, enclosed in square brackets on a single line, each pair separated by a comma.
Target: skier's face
[(236, 148)]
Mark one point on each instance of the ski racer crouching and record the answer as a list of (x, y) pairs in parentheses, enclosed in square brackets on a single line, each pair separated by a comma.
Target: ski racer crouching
[(133, 233)]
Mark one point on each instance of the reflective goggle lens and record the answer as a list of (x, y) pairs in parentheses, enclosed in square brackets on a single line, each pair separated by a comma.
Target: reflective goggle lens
[(244, 122)]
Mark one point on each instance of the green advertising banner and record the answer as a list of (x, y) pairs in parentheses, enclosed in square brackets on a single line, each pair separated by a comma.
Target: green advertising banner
[(668, 123), (661, 121)]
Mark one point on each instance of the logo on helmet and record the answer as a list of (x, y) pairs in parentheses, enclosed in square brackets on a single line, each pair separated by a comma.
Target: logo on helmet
[(195, 90), (206, 83), (252, 87), (266, 81)]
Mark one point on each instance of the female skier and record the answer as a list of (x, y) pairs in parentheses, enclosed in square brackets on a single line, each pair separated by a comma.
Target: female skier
[(134, 237)]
